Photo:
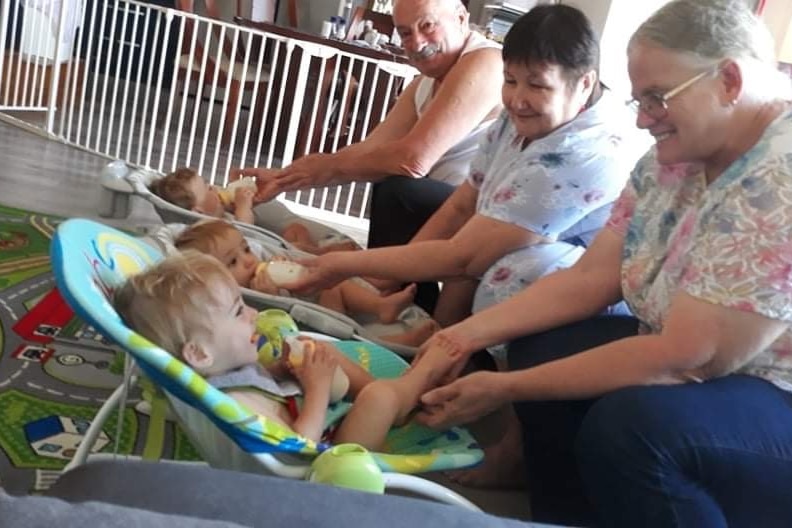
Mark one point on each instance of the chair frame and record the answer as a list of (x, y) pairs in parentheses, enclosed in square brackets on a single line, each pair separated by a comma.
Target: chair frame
[(97, 266)]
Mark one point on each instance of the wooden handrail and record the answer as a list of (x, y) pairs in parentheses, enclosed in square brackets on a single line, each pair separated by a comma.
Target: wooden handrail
[(309, 37)]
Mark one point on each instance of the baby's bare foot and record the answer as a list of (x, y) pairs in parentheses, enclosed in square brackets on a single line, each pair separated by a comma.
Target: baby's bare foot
[(423, 331), (392, 305)]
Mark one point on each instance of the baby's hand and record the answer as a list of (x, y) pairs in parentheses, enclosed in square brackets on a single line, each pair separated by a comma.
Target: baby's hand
[(261, 282), (267, 186), (243, 198), (315, 371)]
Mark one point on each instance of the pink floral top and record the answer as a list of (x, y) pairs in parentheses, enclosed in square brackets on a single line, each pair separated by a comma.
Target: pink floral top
[(729, 243)]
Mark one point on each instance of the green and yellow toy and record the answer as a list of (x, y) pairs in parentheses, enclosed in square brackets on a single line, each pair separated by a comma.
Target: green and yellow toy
[(277, 336)]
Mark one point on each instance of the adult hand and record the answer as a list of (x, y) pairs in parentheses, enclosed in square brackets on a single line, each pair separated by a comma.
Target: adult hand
[(463, 401), (314, 170), (267, 182), (319, 273)]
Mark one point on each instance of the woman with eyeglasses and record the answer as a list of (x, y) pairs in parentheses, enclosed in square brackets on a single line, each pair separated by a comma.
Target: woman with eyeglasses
[(682, 415)]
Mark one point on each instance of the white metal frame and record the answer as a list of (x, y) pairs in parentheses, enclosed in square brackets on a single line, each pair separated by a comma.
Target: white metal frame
[(226, 454), (121, 110)]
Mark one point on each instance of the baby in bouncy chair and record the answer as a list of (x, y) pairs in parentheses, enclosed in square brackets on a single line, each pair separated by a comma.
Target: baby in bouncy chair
[(187, 189), (191, 306), (225, 242)]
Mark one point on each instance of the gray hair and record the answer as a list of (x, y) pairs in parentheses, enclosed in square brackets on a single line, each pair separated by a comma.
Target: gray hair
[(708, 31)]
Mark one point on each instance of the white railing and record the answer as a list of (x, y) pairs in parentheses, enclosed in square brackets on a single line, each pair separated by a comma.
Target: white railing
[(161, 88)]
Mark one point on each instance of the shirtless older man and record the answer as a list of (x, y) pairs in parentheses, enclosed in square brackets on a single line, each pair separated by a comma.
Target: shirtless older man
[(423, 148)]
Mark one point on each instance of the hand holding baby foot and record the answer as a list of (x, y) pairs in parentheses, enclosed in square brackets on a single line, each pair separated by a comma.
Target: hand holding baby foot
[(446, 354)]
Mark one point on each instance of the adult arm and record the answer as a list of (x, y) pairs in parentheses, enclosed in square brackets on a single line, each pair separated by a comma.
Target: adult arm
[(727, 309), (404, 144), (699, 341), (469, 253), (443, 224), (564, 296)]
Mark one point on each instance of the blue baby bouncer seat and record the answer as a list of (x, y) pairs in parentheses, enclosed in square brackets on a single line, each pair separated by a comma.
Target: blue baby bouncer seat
[(90, 259)]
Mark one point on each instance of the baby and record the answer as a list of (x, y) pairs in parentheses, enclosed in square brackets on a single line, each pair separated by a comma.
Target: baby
[(187, 189), (190, 305), (225, 242)]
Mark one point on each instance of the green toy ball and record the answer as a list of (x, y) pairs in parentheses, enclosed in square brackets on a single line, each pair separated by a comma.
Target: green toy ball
[(348, 466)]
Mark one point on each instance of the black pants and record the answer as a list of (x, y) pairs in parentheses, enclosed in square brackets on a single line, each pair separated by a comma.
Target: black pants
[(400, 206), (550, 427)]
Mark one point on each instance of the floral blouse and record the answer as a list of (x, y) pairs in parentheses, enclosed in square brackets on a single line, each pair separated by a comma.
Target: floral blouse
[(729, 243), (560, 186)]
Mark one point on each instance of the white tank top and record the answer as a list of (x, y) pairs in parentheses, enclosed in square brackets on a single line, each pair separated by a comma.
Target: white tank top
[(453, 166)]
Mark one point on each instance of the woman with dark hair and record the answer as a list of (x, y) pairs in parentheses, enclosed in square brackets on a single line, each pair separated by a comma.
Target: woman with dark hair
[(542, 183)]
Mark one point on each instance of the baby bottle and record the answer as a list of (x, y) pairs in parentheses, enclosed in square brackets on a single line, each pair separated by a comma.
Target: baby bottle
[(297, 349), (281, 271), (227, 194)]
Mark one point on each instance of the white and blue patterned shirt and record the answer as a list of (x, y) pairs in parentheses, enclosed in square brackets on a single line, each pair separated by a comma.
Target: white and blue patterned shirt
[(560, 186)]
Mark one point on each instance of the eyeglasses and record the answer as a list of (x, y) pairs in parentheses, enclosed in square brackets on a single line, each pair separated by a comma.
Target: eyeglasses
[(656, 105)]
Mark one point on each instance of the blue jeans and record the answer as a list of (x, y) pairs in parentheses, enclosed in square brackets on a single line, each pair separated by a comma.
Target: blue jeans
[(712, 454)]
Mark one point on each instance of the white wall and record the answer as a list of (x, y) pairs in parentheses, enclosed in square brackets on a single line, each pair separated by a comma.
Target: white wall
[(596, 11), (778, 17), (623, 19)]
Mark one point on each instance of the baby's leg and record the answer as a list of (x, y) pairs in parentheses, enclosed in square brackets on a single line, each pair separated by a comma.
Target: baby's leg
[(347, 245), (388, 402), (455, 301), (298, 234), (415, 335), (374, 412), (359, 299), (333, 299)]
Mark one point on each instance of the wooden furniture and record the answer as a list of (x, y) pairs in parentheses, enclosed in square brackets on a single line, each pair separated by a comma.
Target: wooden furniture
[(382, 23), (320, 83), (201, 64), (244, 9), (41, 72)]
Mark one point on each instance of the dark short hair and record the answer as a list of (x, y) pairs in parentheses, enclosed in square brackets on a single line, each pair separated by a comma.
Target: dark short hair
[(554, 34)]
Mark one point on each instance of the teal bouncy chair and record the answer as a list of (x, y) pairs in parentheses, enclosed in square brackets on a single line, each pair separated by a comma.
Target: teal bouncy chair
[(90, 259)]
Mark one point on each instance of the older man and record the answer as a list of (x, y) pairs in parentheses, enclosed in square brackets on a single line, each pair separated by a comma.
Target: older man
[(423, 148)]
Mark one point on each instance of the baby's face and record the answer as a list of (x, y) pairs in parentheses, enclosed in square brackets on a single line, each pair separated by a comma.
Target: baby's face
[(233, 251), (231, 341), (207, 200)]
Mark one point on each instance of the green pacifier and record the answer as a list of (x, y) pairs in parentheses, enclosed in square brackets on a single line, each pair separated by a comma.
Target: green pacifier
[(348, 466)]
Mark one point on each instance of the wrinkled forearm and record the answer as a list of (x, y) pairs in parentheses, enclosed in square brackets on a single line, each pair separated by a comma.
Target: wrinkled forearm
[(373, 163), (639, 360), (439, 259), (554, 300)]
